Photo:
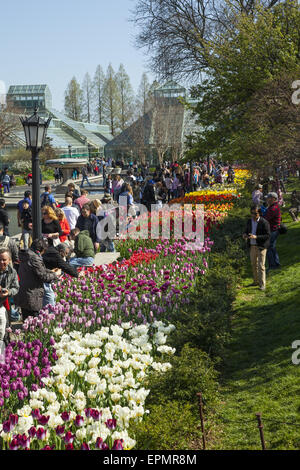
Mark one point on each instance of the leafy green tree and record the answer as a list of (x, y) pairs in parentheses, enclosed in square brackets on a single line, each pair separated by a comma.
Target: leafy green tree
[(73, 100), (245, 59)]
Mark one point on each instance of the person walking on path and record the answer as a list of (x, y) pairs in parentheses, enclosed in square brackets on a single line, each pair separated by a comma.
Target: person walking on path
[(273, 216), (84, 177), (257, 234)]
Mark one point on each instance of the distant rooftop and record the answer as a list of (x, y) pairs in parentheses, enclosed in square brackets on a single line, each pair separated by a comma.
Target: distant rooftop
[(21, 89), (170, 89)]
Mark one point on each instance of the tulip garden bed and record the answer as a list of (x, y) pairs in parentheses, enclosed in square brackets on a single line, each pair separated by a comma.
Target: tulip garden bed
[(87, 372)]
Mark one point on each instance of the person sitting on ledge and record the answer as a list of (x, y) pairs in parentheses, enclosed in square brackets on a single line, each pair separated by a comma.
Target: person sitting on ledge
[(84, 248)]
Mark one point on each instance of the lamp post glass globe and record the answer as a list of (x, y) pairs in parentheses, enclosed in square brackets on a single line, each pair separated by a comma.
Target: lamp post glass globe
[(35, 129)]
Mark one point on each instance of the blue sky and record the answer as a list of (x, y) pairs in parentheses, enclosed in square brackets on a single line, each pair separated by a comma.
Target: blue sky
[(49, 42)]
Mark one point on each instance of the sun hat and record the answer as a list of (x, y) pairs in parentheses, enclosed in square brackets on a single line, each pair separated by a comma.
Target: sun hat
[(274, 195)]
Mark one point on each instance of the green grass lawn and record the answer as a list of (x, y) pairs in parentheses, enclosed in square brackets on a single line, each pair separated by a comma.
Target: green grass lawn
[(258, 374)]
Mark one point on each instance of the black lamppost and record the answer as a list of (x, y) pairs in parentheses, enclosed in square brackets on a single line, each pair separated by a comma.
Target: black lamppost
[(70, 150), (35, 129)]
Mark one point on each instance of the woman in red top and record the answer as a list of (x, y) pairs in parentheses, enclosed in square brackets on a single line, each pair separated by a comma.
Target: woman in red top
[(65, 227)]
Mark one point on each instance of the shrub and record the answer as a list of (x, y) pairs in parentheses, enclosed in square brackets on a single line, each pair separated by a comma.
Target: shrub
[(192, 372), (206, 321), (169, 426)]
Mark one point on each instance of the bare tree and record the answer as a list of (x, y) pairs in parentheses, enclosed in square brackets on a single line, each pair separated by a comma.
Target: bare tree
[(111, 100), (87, 96), (176, 33), (138, 142), (143, 95), (167, 122), (98, 87), (126, 98), (73, 100), (9, 123)]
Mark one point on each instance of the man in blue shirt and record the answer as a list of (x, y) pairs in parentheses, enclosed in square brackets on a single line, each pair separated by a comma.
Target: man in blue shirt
[(27, 198)]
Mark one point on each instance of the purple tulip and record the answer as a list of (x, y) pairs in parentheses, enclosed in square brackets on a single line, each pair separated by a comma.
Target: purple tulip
[(111, 423), (118, 444), (84, 446), (60, 430), (32, 432), (79, 421), (41, 433), (24, 441), (43, 420), (14, 444), (96, 414), (7, 426), (69, 437)]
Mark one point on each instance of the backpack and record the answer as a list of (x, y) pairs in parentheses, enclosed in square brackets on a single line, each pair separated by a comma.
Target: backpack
[(45, 200)]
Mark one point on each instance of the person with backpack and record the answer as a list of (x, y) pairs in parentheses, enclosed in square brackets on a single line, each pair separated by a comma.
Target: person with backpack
[(47, 199)]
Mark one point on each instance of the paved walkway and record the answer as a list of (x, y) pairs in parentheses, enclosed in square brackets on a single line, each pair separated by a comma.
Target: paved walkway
[(106, 258)]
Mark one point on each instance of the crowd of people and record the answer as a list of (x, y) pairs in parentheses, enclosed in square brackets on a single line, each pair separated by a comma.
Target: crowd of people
[(73, 231)]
